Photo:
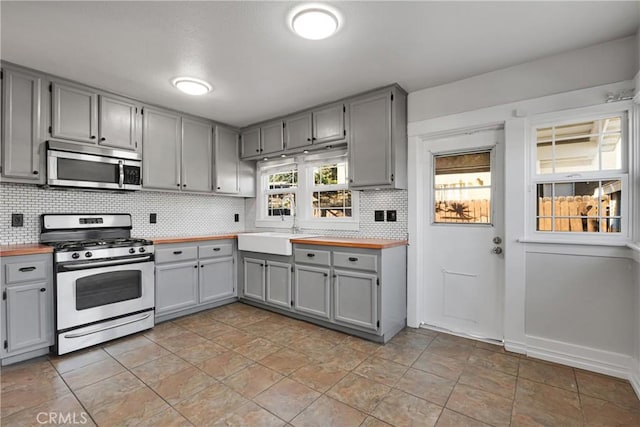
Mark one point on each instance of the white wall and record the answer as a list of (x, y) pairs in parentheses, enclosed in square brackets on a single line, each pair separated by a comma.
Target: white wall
[(591, 66), (586, 321)]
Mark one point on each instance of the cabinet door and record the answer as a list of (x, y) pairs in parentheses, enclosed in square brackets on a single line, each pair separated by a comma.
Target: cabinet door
[(312, 291), (370, 141), (297, 131), (226, 161), (117, 123), (29, 322), (279, 283), (217, 279), (355, 299), (197, 155), (271, 138), (161, 150), (328, 124), (254, 278), (250, 142), (74, 113), (21, 125), (176, 286)]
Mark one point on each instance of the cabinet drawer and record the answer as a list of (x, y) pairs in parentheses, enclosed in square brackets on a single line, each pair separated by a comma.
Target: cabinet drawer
[(357, 261), (176, 254), (26, 271), (312, 256), (221, 249)]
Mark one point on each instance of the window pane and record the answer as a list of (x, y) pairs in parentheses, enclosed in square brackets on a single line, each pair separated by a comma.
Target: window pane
[(288, 179), (331, 204), (580, 206), (580, 147), (462, 191), (330, 174), (280, 204)]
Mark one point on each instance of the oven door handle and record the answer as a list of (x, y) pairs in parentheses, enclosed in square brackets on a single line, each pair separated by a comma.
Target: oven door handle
[(93, 331), (88, 265)]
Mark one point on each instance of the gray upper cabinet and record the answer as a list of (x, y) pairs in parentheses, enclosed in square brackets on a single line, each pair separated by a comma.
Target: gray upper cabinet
[(378, 140), (226, 161), (250, 142), (328, 124), (23, 125), (118, 119), (272, 138), (298, 131), (161, 149), (197, 155), (74, 113)]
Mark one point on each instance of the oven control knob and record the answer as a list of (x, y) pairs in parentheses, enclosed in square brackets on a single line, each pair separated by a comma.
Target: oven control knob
[(88, 254), (141, 249), (75, 255), (132, 251)]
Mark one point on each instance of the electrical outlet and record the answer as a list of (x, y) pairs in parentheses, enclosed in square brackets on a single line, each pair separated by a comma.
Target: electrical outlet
[(236, 217), (378, 216), (17, 220), (391, 216), (153, 218)]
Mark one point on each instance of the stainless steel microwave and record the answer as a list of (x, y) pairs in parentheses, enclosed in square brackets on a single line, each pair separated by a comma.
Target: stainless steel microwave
[(85, 166)]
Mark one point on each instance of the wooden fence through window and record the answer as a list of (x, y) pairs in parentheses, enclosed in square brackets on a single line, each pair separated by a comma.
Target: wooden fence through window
[(465, 211), (576, 214)]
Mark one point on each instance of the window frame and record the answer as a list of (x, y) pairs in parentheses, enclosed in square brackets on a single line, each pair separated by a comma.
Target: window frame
[(623, 109), (304, 209)]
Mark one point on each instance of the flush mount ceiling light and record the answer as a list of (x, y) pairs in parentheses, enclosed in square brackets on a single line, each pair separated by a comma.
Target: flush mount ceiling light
[(191, 86), (314, 22)]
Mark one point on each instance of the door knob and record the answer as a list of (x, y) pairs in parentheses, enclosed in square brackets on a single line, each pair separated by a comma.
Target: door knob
[(497, 250), (497, 240)]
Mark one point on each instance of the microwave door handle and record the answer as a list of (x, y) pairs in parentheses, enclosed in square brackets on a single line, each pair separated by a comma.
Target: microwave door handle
[(121, 178)]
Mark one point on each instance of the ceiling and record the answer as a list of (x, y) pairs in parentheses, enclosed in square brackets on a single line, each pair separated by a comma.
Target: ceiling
[(260, 69)]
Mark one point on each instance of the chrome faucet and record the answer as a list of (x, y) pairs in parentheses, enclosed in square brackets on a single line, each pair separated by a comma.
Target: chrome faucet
[(293, 211)]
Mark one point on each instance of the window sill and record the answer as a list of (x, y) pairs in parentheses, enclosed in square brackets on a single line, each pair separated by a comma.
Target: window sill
[(541, 240), (310, 225)]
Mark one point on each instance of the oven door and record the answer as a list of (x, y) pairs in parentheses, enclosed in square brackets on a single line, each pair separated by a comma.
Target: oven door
[(91, 292), (92, 171)]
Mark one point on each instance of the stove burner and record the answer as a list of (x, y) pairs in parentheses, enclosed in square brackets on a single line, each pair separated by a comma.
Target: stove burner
[(80, 245)]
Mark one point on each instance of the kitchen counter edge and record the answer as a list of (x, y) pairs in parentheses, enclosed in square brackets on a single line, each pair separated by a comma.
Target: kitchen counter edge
[(25, 249), (351, 242)]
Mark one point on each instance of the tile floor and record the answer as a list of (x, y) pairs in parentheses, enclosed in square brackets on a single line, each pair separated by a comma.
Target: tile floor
[(241, 366)]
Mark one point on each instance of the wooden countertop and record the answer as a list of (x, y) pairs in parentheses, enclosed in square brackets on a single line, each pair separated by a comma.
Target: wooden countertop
[(25, 249), (350, 242), (187, 239)]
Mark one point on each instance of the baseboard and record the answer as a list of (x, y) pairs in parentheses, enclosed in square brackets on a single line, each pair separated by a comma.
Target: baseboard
[(634, 379), (588, 358), (515, 347)]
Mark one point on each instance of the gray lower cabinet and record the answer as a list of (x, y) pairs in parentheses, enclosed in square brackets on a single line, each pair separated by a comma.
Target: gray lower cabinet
[(378, 140), (194, 276), (356, 298), (355, 290), (312, 290), (24, 118), (217, 279), (161, 156), (176, 286), (27, 306), (278, 283)]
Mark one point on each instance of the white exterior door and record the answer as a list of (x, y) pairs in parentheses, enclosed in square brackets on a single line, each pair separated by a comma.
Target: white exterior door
[(463, 232)]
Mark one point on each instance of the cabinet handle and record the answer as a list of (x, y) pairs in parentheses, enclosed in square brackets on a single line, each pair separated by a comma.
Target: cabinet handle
[(103, 139), (178, 185), (177, 252), (353, 259), (308, 139), (43, 289), (25, 269), (92, 137), (184, 185), (311, 255), (314, 138), (216, 249), (326, 275), (201, 266), (257, 150), (35, 172), (195, 266), (218, 188)]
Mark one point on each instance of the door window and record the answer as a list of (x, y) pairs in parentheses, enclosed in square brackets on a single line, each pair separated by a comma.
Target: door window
[(462, 188)]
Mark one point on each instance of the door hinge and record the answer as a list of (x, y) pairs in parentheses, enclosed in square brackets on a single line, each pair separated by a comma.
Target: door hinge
[(392, 97), (391, 177), (4, 295), (378, 281), (292, 268), (50, 87), (344, 132), (1, 74), (344, 108), (284, 125), (142, 111), (6, 344), (136, 144), (291, 303), (378, 324), (50, 129)]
